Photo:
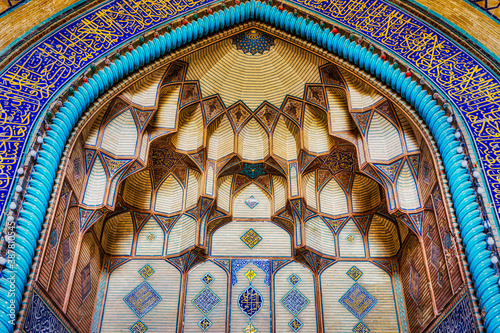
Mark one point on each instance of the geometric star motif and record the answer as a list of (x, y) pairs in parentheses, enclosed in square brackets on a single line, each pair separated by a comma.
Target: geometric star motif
[(142, 299), (294, 301), (138, 327), (358, 301), (251, 238), (361, 328), (206, 301), (354, 273)]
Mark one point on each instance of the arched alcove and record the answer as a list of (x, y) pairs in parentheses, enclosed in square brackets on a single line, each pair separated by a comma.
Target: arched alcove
[(254, 184)]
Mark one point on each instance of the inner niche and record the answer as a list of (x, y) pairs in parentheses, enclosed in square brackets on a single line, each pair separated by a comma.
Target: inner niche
[(239, 188)]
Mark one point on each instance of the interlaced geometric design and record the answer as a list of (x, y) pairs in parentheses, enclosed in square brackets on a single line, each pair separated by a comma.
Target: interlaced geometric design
[(206, 301), (142, 299), (251, 238), (253, 42), (294, 301), (358, 301)]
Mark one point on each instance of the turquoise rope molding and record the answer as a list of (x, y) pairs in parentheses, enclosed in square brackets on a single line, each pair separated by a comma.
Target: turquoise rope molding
[(31, 216)]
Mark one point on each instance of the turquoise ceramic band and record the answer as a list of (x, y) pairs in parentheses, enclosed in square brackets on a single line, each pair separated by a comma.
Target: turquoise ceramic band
[(42, 179)]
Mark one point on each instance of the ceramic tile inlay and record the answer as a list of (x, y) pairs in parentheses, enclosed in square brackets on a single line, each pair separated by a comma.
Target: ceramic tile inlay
[(142, 299)]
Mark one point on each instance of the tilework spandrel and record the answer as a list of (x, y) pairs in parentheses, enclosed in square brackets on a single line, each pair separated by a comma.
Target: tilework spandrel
[(30, 82)]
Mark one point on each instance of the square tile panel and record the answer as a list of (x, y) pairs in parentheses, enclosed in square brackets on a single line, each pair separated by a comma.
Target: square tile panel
[(206, 301), (251, 238), (146, 271), (350, 238), (205, 324), (252, 202), (294, 301), (361, 328), (358, 301), (294, 279), (354, 273), (138, 327), (151, 237), (207, 279), (295, 324), (142, 299)]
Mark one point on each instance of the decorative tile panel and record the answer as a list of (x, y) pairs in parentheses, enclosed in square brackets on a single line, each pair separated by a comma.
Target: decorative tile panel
[(142, 299), (252, 202), (206, 301), (138, 327), (205, 323), (414, 284), (40, 315), (350, 238), (251, 238), (294, 279), (250, 329), (294, 301), (361, 328), (253, 170), (207, 279), (459, 319), (151, 237), (250, 275), (358, 301), (354, 273), (250, 301), (253, 41), (295, 324), (238, 264), (146, 271)]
